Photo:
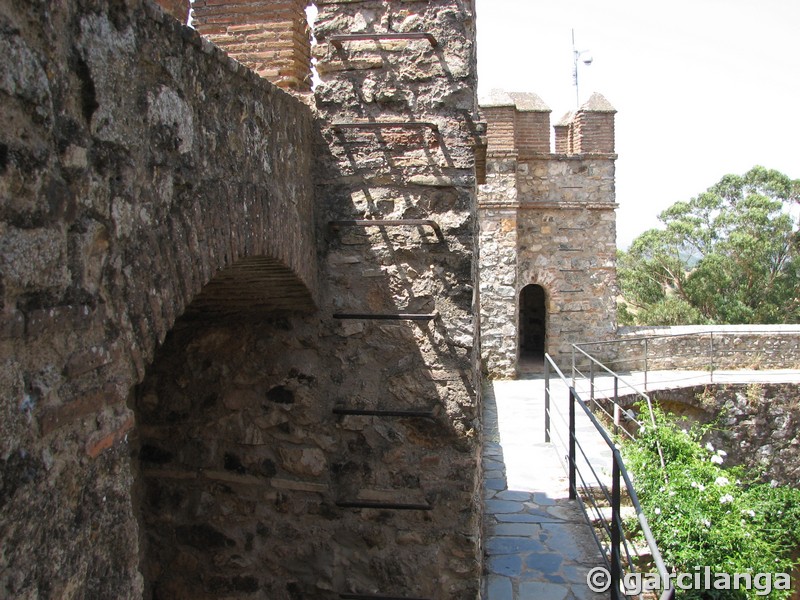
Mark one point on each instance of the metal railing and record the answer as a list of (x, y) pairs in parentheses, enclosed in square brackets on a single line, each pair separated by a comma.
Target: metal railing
[(707, 352), (589, 489), (611, 396)]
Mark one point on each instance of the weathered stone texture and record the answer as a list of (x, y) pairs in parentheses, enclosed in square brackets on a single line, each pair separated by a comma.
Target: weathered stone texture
[(243, 462), (403, 172), (163, 214), (136, 161), (548, 220)]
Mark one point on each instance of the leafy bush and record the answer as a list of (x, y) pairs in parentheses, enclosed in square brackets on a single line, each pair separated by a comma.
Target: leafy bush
[(703, 514)]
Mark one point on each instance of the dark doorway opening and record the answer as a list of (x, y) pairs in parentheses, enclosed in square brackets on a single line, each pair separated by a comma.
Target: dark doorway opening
[(532, 322)]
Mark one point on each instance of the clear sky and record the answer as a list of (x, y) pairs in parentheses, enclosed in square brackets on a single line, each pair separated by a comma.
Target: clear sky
[(702, 87)]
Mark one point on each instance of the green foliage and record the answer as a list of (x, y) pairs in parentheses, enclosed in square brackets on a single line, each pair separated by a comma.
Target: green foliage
[(702, 514), (729, 255)]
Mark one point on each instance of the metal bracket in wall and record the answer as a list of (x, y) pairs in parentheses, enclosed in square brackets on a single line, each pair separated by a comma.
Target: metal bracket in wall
[(390, 223), (338, 40), (388, 124), (367, 412), (376, 597), (387, 316), (382, 505)]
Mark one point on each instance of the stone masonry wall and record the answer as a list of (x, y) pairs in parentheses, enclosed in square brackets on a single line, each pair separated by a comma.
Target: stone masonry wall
[(175, 371), (136, 162), (546, 219), (400, 171), (701, 347)]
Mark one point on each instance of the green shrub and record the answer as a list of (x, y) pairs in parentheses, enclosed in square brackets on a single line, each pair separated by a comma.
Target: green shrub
[(703, 514)]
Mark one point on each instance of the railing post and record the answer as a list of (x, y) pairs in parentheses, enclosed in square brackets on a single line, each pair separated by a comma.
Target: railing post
[(573, 492), (617, 411), (591, 383), (711, 353), (546, 400), (645, 364), (573, 365), (616, 525)]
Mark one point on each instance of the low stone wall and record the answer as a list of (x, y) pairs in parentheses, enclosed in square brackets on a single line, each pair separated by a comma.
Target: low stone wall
[(701, 347)]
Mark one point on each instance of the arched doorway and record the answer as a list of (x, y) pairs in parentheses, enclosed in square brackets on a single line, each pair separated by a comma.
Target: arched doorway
[(532, 322)]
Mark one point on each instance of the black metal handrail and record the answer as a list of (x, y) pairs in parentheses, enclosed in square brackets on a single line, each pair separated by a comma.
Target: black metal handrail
[(617, 540), (594, 364)]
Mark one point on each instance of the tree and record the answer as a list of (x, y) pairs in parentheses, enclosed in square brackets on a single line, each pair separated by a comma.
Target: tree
[(729, 255)]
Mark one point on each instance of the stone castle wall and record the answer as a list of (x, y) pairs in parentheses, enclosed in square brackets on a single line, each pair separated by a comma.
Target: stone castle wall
[(377, 166), (136, 162), (756, 423), (176, 367), (546, 219), (701, 347)]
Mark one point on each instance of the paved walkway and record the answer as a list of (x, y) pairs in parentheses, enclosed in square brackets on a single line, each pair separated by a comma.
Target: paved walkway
[(538, 544)]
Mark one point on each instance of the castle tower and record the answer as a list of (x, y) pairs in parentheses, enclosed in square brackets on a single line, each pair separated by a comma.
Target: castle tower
[(547, 231)]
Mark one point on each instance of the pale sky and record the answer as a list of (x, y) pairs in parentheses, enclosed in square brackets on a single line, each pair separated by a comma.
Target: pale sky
[(702, 87)]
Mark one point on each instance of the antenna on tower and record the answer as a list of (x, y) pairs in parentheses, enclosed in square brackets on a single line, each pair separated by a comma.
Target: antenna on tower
[(586, 58)]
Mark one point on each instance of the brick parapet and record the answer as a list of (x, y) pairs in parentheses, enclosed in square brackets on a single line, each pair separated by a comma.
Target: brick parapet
[(593, 132), (532, 131), (177, 8)]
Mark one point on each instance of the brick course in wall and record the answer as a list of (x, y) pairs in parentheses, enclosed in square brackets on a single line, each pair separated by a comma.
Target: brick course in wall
[(271, 37)]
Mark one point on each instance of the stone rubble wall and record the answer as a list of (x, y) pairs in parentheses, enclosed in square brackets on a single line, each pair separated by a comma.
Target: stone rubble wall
[(547, 220), (584, 179), (702, 347), (171, 356), (136, 162), (402, 172)]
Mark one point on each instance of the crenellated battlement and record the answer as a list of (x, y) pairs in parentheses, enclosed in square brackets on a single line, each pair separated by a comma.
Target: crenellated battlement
[(519, 123), (270, 37)]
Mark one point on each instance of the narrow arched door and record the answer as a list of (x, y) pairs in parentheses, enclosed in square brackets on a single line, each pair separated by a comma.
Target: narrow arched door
[(532, 322)]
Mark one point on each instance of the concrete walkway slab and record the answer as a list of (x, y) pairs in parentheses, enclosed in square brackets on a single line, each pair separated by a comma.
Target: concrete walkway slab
[(538, 544)]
